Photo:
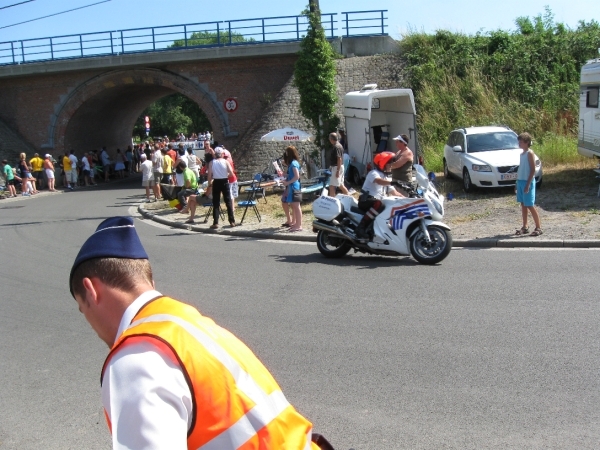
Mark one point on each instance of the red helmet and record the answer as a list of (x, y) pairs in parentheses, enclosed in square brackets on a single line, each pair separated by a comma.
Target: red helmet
[(383, 159)]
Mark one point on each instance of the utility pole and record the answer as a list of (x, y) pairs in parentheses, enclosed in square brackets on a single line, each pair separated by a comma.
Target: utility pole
[(314, 5)]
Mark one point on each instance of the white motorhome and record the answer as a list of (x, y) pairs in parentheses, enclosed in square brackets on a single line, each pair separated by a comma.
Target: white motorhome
[(373, 117), (588, 143)]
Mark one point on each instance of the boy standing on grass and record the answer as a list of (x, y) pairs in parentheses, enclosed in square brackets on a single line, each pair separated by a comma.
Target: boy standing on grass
[(525, 188)]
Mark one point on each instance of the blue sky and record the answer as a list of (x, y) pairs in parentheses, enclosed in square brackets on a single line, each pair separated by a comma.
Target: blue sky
[(468, 16)]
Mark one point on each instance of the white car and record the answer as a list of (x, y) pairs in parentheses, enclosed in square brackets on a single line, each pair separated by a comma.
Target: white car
[(485, 157)]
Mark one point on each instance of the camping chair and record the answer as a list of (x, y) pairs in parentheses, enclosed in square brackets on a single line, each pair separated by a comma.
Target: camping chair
[(250, 201), (256, 187), (208, 204)]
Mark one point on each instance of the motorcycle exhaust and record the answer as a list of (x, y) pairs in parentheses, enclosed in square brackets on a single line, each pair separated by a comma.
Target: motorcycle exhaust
[(333, 230)]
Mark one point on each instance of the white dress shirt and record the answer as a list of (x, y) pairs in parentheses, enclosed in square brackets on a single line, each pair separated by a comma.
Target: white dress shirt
[(145, 394)]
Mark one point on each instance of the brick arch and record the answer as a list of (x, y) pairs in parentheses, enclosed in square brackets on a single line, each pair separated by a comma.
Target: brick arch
[(102, 110)]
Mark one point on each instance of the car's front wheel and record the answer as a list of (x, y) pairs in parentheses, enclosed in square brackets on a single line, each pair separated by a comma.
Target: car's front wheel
[(468, 185), (447, 175)]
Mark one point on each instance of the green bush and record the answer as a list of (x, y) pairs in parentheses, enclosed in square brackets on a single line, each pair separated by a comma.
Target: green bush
[(527, 79)]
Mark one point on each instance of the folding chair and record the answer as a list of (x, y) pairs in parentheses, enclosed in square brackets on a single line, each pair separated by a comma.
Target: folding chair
[(250, 201), (208, 204), (256, 187)]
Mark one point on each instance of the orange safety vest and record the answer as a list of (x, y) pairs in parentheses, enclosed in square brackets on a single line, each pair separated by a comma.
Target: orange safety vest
[(236, 402)]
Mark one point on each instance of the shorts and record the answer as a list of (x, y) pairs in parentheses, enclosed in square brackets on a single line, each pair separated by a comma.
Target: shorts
[(147, 183), (158, 176), (336, 181), (166, 179), (234, 189), (50, 174), (10, 182), (86, 173), (73, 176), (527, 199)]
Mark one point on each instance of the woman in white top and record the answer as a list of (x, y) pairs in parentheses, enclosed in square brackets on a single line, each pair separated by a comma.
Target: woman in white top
[(193, 162), (219, 170)]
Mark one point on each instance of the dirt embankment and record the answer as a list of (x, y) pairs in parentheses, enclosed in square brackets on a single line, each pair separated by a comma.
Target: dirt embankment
[(567, 202)]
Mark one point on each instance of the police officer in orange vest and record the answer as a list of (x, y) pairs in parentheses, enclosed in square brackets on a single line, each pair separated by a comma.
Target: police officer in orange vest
[(173, 378)]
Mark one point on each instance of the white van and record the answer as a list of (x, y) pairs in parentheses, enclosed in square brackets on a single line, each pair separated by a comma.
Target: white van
[(373, 117), (588, 143)]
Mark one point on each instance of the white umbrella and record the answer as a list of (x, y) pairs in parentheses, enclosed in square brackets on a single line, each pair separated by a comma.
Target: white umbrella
[(287, 135)]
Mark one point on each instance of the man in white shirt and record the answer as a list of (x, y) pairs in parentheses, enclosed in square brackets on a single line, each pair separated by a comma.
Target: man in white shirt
[(173, 378), (105, 163), (148, 177), (73, 176), (158, 169), (374, 189), (85, 161)]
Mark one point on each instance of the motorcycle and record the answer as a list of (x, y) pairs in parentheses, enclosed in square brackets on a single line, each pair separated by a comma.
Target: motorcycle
[(407, 226)]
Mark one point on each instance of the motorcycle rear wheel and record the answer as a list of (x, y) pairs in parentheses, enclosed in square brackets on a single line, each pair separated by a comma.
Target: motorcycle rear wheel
[(332, 246), (436, 251)]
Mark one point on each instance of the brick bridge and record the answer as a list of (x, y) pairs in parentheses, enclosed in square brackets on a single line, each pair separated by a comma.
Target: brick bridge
[(83, 104)]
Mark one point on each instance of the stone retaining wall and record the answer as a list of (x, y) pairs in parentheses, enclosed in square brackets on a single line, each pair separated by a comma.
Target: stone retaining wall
[(252, 156)]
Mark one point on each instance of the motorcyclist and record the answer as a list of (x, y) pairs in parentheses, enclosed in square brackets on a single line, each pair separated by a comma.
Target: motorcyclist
[(374, 189)]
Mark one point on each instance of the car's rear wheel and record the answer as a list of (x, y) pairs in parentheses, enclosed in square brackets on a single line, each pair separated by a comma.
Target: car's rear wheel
[(447, 175), (538, 183), (468, 185)]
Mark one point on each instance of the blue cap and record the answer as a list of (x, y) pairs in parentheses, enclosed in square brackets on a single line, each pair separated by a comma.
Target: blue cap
[(114, 238)]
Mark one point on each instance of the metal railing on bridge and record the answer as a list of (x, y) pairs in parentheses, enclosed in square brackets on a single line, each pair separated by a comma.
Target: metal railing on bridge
[(195, 35)]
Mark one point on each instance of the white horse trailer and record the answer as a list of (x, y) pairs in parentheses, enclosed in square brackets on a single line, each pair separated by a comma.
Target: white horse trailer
[(589, 113), (373, 117)]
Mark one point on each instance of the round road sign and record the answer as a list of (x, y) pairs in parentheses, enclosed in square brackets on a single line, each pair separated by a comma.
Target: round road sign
[(231, 104)]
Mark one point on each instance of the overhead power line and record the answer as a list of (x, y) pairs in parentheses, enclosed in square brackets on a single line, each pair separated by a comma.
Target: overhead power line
[(55, 14), (16, 4)]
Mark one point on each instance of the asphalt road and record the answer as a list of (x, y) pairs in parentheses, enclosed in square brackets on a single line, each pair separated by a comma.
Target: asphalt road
[(491, 349)]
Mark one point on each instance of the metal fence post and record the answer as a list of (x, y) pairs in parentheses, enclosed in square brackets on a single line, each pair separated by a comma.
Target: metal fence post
[(185, 34), (22, 52), (153, 41), (382, 27), (112, 50), (347, 29), (297, 29), (331, 22), (81, 45), (219, 34), (230, 37), (263, 29), (51, 50), (122, 43), (12, 50)]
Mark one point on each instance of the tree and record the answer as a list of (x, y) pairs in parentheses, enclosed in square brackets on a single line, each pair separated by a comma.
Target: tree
[(172, 115), (314, 76), (202, 38)]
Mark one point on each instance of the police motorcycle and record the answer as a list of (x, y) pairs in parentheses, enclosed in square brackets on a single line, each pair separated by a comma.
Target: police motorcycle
[(406, 226)]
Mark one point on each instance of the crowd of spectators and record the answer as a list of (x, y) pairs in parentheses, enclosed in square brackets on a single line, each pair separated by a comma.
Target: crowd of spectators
[(27, 176)]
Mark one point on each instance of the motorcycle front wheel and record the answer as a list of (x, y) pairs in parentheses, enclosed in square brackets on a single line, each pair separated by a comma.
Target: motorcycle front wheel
[(332, 246), (434, 252)]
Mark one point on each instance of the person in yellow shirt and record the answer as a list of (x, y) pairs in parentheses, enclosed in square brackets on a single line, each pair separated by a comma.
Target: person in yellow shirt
[(167, 167), (37, 171), (67, 167)]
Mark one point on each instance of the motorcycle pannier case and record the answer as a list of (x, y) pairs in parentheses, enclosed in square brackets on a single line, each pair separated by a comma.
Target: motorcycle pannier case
[(327, 208)]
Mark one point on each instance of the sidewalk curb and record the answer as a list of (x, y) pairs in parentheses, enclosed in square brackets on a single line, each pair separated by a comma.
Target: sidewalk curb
[(465, 243), (226, 232)]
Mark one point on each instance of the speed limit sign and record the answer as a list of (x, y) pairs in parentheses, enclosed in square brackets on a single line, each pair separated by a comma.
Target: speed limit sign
[(231, 104)]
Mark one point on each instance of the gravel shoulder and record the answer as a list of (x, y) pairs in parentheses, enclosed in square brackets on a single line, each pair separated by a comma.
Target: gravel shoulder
[(567, 202)]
